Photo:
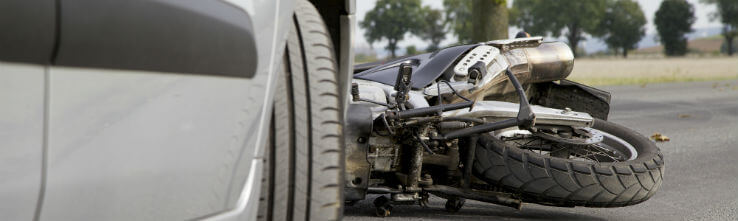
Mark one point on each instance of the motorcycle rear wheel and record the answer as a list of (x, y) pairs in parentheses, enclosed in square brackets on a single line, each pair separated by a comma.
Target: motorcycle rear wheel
[(556, 181)]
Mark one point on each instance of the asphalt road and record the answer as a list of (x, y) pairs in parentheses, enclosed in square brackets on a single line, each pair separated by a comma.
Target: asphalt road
[(701, 176)]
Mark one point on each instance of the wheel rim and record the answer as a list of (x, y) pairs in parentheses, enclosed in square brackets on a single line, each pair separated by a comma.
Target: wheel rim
[(609, 149)]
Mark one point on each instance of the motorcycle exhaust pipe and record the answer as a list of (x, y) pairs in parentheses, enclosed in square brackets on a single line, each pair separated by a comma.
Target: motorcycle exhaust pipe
[(550, 61)]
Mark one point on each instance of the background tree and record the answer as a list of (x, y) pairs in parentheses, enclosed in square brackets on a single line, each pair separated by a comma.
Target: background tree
[(490, 20), (411, 50), (576, 17), (477, 20), (623, 25), (459, 16), (433, 29), (674, 19), (728, 14), (724, 47), (391, 20)]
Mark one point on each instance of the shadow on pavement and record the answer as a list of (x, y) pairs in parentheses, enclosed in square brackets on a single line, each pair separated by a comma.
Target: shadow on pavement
[(473, 210)]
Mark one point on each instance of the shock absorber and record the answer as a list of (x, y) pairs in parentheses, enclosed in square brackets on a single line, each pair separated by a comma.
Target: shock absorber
[(416, 165)]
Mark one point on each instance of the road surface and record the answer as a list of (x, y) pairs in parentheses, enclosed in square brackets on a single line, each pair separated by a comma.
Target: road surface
[(701, 176)]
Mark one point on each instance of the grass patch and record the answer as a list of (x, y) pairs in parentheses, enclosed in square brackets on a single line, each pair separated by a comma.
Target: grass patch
[(648, 80), (647, 71)]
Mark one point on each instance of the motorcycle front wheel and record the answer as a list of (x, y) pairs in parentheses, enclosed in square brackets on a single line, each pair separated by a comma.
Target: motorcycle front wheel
[(624, 169)]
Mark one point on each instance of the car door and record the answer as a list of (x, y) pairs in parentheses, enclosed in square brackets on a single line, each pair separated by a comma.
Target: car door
[(26, 45), (155, 109), (135, 110)]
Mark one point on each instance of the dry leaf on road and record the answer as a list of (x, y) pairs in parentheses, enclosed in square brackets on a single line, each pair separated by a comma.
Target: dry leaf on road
[(659, 137)]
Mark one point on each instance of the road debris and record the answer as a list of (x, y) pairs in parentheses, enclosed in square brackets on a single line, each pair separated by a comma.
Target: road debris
[(658, 137), (684, 116)]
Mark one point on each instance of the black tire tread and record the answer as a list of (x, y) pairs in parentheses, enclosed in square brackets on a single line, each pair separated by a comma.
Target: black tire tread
[(307, 165), (562, 182)]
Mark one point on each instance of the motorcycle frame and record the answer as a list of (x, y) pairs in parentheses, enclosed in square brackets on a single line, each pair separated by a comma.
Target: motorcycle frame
[(360, 122)]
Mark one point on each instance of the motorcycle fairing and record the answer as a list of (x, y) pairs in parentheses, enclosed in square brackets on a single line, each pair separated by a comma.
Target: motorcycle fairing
[(426, 67)]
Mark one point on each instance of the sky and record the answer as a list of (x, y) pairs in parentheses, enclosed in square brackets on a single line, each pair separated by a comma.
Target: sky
[(649, 7)]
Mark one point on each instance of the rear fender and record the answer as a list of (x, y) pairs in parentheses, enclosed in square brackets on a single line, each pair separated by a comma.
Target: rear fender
[(569, 94)]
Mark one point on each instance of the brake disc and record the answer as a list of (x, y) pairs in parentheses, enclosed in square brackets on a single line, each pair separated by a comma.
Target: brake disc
[(581, 136)]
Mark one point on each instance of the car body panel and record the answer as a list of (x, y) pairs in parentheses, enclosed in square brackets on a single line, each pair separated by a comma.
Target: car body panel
[(28, 28), (21, 138), (148, 145), (125, 142), (174, 36), (272, 20)]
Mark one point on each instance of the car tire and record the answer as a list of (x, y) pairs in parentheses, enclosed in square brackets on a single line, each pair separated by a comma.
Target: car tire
[(304, 155)]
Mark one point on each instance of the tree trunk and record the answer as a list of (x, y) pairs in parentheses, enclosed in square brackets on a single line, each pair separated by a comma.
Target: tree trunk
[(729, 43), (392, 46), (489, 20), (625, 52), (573, 36), (729, 32)]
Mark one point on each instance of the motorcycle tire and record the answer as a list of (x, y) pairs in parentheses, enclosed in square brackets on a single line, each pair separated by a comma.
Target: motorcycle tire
[(303, 167), (563, 182)]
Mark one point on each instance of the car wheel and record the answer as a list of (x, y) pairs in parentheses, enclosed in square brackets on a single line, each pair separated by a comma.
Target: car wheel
[(304, 156)]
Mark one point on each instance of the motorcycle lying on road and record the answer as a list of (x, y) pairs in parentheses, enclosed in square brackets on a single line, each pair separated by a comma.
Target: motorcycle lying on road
[(495, 122)]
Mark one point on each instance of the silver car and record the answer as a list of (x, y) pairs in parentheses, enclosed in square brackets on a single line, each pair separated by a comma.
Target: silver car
[(173, 109)]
